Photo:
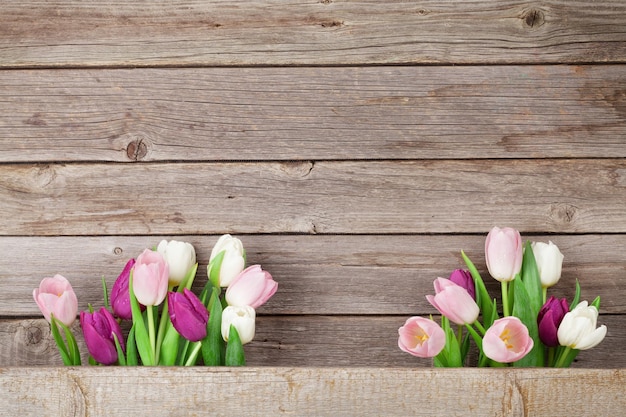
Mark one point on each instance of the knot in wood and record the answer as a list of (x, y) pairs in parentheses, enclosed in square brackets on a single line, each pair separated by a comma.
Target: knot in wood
[(118, 251), (533, 18), (137, 149), (563, 213)]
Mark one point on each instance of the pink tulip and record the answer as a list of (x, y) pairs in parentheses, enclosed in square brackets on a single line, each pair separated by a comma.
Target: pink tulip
[(507, 340), (252, 287), (421, 337), (188, 315), (55, 296), (150, 278), (503, 253), (120, 298), (454, 302), (98, 330)]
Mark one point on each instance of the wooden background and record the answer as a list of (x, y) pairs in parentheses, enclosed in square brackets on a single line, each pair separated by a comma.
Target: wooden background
[(356, 147)]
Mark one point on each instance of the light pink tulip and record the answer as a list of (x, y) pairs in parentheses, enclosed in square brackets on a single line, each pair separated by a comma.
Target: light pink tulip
[(55, 296), (507, 340), (503, 253), (421, 337), (150, 275), (252, 287), (454, 302)]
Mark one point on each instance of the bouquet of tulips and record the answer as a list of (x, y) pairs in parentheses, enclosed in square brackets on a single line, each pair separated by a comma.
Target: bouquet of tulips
[(169, 324), (533, 331)]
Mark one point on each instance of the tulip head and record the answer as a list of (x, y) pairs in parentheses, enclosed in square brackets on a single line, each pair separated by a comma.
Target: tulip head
[(98, 330), (503, 253), (188, 315), (549, 319), (180, 258), (252, 287), (55, 296), (150, 278), (242, 318), (507, 340), (549, 261), (464, 279), (120, 297), (421, 337), (454, 302), (233, 260), (578, 328)]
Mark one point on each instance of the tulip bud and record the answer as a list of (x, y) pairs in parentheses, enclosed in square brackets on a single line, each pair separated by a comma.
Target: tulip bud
[(507, 340), (549, 319), (180, 258), (55, 296), (98, 330), (578, 328), (242, 318), (232, 262), (549, 262), (464, 279), (453, 302), (188, 315), (252, 287), (120, 297), (503, 253), (150, 278), (421, 337)]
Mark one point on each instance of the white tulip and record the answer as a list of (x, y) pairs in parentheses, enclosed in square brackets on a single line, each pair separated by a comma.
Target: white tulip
[(549, 262), (233, 261), (242, 318), (578, 328), (180, 258)]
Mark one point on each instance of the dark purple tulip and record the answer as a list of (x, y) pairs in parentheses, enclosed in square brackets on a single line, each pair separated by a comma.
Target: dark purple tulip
[(464, 279), (188, 315), (549, 319), (98, 329), (120, 297)]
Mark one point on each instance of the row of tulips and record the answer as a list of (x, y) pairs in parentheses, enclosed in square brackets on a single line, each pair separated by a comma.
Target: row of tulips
[(533, 331), (171, 325)]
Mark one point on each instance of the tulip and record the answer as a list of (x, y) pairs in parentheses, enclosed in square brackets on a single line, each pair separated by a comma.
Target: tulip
[(578, 328), (453, 302), (55, 296), (120, 298), (180, 258), (98, 330), (549, 319), (242, 318), (421, 337), (252, 287), (549, 261), (503, 253), (188, 315), (507, 340), (150, 278), (465, 280), (233, 261)]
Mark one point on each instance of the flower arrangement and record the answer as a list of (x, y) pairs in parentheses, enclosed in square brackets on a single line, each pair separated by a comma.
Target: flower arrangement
[(533, 331), (169, 324)]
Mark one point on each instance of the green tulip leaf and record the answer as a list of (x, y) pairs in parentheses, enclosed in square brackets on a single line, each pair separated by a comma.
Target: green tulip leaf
[(482, 296), (65, 356), (169, 347), (121, 359), (131, 348), (532, 279), (144, 347), (234, 349), (187, 282), (213, 344), (522, 309), (576, 299), (214, 268)]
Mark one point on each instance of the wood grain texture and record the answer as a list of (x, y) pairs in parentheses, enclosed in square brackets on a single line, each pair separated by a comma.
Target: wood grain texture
[(205, 114), (313, 340), (581, 196), (102, 33), (315, 392), (332, 275)]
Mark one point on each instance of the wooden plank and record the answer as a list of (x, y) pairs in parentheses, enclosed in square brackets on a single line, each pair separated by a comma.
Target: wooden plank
[(311, 391), (105, 33), (578, 196), (300, 341), (364, 274), (314, 113)]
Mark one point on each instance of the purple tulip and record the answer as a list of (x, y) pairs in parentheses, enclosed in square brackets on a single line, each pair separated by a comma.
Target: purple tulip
[(120, 297), (464, 279), (549, 319), (188, 315), (98, 330)]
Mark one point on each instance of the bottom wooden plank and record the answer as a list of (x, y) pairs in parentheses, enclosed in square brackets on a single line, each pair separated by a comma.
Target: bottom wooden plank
[(311, 391)]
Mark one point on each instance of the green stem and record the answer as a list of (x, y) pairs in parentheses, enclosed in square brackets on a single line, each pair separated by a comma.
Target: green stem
[(551, 356), (480, 327), (151, 333), (505, 298), (562, 357), (162, 326), (544, 293), (194, 354), (459, 335)]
